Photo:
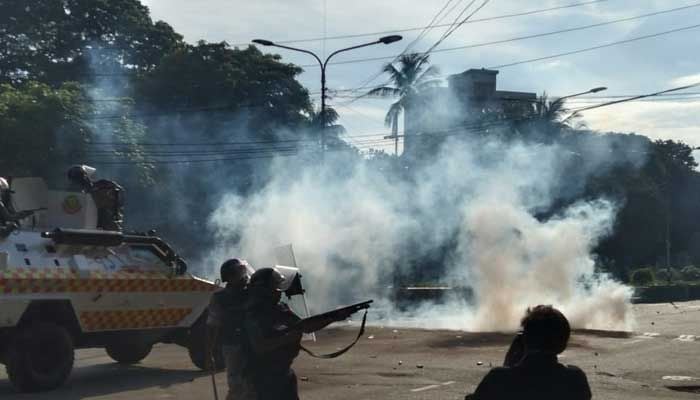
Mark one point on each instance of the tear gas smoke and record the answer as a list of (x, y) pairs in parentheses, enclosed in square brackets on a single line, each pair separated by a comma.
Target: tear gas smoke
[(353, 231), (472, 210)]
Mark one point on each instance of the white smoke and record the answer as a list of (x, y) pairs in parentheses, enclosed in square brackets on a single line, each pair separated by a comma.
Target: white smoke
[(350, 232)]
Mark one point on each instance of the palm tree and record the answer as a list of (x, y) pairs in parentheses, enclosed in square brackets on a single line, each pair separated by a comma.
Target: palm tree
[(548, 118), (407, 81), (550, 111), (333, 130)]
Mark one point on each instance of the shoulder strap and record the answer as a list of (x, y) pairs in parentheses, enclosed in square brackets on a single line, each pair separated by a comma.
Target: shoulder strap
[(343, 350)]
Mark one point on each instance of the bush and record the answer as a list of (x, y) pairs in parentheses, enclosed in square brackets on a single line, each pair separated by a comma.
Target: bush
[(661, 275), (690, 273), (643, 277)]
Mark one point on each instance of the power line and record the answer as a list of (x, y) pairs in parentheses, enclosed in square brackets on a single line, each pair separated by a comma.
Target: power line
[(173, 112), (610, 103), (519, 38), (217, 144), (584, 50), (430, 26), (202, 153), (486, 19), (427, 28), (477, 126), (457, 25), (206, 160), (453, 27), (133, 162), (611, 44), (619, 96)]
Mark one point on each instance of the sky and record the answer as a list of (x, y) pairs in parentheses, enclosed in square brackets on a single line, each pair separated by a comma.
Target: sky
[(637, 67)]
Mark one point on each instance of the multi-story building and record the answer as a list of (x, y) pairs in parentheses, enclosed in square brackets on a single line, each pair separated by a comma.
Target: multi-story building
[(441, 111)]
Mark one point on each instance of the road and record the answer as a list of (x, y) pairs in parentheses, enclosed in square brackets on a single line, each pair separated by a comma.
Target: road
[(657, 361)]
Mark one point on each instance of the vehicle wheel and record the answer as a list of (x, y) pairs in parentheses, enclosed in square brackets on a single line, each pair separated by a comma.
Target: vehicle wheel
[(197, 348), (128, 352), (40, 358)]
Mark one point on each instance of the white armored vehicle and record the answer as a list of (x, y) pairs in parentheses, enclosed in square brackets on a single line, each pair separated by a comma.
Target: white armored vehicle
[(65, 285)]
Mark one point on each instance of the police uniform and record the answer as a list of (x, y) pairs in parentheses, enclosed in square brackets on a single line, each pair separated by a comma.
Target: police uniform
[(226, 313), (109, 200), (538, 376), (271, 366)]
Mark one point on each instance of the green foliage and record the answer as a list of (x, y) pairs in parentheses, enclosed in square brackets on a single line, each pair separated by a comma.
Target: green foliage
[(412, 77), (42, 128), (246, 82), (57, 41), (690, 273), (642, 277)]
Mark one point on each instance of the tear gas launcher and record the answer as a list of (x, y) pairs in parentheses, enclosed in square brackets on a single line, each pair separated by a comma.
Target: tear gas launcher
[(337, 315)]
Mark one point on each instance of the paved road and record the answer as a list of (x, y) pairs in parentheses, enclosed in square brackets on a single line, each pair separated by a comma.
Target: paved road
[(399, 364)]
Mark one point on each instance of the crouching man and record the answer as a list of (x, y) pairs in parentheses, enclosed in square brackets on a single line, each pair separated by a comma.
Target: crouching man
[(532, 370)]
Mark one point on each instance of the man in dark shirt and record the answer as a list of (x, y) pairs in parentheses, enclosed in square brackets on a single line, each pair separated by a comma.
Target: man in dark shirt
[(225, 325), (274, 336), (534, 372), (8, 216), (107, 195)]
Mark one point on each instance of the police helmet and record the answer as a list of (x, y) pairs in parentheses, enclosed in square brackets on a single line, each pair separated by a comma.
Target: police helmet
[(235, 270), (80, 173), (4, 185), (267, 278)]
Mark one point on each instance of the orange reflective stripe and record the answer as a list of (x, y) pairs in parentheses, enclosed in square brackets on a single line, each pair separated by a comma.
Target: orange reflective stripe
[(60, 280), (132, 319)]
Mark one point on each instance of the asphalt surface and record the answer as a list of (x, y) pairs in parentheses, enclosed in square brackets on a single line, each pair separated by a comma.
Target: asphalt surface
[(657, 361)]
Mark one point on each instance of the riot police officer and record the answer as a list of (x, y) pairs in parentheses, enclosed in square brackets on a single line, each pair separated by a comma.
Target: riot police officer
[(225, 325), (274, 335), (7, 212), (108, 196)]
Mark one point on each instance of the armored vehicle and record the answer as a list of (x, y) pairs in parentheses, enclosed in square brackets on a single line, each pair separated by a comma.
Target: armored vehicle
[(65, 285)]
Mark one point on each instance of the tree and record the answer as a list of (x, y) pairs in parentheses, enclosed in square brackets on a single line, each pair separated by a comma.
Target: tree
[(409, 79), (43, 129), (325, 123), (57, 41), (241, 92), (676, 156), (545, 121)]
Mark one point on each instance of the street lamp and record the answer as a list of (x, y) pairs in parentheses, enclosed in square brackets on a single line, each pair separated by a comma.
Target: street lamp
[(323, 64), (594, 90)]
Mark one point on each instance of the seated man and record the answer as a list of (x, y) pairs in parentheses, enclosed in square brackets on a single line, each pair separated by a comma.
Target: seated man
[(538, 374)]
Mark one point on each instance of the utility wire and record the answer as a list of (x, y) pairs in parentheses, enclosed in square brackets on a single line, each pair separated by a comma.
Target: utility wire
[(584, 50), (430, 26), (458, 25), (426, 29), (610, 103), (453, 27), (666, 92), (403, 30), (587, 49), (519, 38)]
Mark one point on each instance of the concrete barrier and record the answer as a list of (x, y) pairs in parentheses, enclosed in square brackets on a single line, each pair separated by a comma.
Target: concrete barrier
[(667, 293)]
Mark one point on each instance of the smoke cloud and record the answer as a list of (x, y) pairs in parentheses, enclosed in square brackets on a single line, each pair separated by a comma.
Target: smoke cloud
[(356, 227)]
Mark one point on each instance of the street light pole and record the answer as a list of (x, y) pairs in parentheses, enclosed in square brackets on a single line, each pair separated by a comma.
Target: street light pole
[(323, 64), (594, 90)]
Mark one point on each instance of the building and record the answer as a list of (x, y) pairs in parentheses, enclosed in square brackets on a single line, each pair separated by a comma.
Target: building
[(442, 110)]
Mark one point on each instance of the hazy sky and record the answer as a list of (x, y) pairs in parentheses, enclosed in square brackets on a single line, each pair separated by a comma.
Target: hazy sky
[(634, 68)]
